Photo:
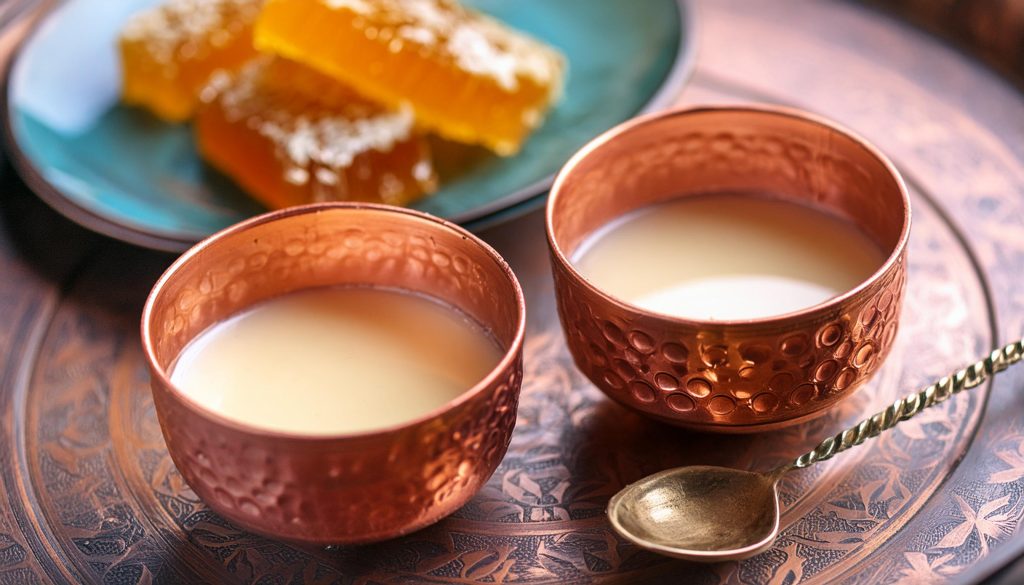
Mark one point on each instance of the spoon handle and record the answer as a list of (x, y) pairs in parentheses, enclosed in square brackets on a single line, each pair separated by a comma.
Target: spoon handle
[(908, 406)]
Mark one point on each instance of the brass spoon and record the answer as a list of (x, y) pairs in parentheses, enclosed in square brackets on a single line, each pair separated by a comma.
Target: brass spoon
[(710, 514)]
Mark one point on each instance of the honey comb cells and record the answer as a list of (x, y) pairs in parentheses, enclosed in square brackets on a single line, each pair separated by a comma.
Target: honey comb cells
[(169, 52), (332, 100), (290, 135), (464, 75)]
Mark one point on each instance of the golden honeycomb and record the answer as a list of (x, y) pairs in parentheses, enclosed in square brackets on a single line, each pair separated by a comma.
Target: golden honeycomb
[(464, 75), (291, 135), (169, 52)]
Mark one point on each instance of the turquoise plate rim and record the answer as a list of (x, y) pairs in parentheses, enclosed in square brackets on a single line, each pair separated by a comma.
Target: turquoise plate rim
[(502, 209)]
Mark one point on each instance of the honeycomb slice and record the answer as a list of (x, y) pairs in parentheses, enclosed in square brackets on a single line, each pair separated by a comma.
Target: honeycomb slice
[(290, 135), (169, 52), (465, 76)]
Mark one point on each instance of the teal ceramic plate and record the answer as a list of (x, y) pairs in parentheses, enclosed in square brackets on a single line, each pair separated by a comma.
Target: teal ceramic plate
[(123, 173)]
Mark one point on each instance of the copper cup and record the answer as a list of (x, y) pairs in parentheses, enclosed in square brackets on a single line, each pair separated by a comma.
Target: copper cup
[(349, 488), (729, 376)]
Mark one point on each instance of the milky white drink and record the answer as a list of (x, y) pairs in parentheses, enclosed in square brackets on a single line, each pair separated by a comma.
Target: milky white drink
[(727, 257), (335, 360)]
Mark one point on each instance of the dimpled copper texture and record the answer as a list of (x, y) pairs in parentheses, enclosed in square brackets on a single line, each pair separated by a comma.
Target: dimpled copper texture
[(349, 488), (729, 376)]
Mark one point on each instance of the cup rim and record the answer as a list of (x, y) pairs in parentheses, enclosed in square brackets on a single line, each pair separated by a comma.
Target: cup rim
[(758, 108), (510, 355)]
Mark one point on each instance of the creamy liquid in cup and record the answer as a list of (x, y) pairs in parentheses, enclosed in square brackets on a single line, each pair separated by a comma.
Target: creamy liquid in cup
[(335, 360), (727, 257)]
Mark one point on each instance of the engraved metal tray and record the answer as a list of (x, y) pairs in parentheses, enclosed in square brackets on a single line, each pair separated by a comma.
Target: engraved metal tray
[(88, 493)]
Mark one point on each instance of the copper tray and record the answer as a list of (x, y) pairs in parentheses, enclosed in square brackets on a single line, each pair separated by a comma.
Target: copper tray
[(88, 493)]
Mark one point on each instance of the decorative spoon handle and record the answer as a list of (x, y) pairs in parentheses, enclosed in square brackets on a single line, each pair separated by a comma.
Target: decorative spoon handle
[(908, 406)]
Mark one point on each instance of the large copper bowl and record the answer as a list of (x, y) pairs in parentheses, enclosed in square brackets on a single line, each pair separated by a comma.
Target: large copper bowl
[(356, 487), (733, 376)]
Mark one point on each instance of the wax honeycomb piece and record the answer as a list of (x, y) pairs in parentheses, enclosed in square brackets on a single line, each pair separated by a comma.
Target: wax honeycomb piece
[(169, 52), (466, 76), (290, 135)]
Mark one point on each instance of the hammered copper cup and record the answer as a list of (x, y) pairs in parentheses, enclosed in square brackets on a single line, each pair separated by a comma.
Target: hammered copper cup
[(729, 376), (350, 488)]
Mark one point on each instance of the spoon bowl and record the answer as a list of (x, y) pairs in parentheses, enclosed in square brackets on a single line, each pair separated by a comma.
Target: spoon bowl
[(699, 513)]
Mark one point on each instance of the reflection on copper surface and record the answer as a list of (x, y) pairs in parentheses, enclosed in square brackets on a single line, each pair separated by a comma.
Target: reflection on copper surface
[(732, 376), (351, 488)]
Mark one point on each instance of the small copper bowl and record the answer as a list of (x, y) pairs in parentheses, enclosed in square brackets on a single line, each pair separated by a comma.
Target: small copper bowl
[(350, 488), (729, 376)]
